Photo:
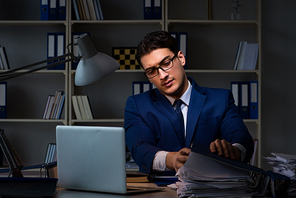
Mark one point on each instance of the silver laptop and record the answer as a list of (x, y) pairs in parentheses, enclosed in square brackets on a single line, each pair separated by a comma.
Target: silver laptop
[(93, 158)]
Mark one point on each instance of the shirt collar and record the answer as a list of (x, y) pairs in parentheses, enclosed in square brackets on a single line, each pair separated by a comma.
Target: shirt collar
[(185, 97)]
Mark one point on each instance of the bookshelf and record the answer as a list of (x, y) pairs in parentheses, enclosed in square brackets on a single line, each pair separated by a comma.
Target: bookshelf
[(212, 43)]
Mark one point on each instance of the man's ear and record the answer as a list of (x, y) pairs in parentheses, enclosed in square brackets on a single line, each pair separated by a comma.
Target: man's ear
[(182, 58)]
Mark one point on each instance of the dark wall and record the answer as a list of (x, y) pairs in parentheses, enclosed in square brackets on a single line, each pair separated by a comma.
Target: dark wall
[(278, 77)]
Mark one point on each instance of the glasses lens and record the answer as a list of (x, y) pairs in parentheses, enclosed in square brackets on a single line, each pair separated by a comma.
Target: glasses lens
[(167, 64), (151, 72)]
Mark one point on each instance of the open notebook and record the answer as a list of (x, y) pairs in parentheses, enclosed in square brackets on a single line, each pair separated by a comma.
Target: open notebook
[(93, 158)]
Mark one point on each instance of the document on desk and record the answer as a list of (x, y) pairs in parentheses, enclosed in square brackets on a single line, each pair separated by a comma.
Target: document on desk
[(207, 174)]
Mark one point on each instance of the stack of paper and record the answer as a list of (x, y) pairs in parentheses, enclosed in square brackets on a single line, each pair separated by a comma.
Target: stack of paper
[(206, 174), (284, 164)]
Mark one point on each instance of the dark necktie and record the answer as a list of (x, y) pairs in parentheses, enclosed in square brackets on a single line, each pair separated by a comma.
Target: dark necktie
[(178, 104)]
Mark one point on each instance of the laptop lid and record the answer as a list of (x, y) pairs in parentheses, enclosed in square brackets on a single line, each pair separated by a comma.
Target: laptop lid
[(91, 158)]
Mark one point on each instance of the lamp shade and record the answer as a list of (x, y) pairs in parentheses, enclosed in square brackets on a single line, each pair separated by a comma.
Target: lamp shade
[(93, 65)]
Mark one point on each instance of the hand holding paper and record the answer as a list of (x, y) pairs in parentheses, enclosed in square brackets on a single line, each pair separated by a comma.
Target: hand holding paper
[(224, 148), (175, 160)]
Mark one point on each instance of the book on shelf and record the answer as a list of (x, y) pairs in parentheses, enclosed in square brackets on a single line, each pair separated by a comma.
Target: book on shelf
[(3, 59), (82, 107), (51, 153), (246, 56), (87, 10), (54, 106)]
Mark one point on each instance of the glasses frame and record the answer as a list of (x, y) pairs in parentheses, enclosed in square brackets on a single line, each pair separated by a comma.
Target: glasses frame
[(160, 67)]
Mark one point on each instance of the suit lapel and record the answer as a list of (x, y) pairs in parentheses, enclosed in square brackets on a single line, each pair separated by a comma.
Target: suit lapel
[(196, 104), (165, 107)]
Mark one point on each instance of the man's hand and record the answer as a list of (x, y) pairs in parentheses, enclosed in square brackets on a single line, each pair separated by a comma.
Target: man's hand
[(175, 160), (224, 148)]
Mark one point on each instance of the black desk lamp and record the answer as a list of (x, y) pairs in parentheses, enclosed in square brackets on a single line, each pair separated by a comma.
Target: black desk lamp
[(92, 66)]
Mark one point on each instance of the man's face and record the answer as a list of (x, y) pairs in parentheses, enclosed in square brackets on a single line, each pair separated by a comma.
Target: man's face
[(172, 82)]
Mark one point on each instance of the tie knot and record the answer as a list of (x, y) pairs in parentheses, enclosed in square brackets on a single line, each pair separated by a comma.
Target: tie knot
[(177, 105)]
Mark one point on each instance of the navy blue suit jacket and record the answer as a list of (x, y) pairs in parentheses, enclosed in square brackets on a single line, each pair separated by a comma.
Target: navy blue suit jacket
[(152, 125)]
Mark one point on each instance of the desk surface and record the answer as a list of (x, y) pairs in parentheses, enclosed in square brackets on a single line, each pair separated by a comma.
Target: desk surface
[(165, 193)]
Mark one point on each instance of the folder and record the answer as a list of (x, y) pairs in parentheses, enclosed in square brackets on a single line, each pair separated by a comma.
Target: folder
[(51, 48), (244, 100), (146, 86), (148, 9), (53, 10), (157, 12), (210, 165), (62, 10), (235, 88), (60, 49), (253, 99), (3, 100), (137, 87), (183, 44), (44, 10)]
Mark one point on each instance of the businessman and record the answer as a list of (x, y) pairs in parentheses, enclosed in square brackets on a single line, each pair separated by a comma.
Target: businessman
[(158, 138)]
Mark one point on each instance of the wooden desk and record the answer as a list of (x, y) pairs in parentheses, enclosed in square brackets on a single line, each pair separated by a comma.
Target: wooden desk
[(166, 193)]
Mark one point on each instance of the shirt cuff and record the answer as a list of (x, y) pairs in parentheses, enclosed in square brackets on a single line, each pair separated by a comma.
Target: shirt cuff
[(159, 161), (242, 149)]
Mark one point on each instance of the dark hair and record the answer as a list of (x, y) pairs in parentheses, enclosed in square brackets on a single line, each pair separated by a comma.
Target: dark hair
[(156, 40)]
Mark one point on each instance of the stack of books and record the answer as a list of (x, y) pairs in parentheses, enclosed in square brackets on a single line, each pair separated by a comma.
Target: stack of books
[(54, 106), (82, 107), (88, 10)]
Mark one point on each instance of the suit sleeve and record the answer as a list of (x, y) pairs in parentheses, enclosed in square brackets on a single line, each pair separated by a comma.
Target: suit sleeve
[(233, 128), (139, 137)]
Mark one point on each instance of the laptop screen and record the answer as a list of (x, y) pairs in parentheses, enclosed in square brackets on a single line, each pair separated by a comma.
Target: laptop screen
[(91, 158)]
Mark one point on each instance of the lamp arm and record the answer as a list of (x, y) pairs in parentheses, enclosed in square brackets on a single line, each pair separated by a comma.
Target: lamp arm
[(14, 161), (15, 72)]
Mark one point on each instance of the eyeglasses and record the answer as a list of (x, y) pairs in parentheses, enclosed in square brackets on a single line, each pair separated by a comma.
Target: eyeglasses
[(164, 66)]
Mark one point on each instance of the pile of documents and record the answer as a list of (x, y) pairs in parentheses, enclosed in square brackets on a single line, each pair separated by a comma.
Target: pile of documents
[(206, 174), (192, 184), (284, 164)]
